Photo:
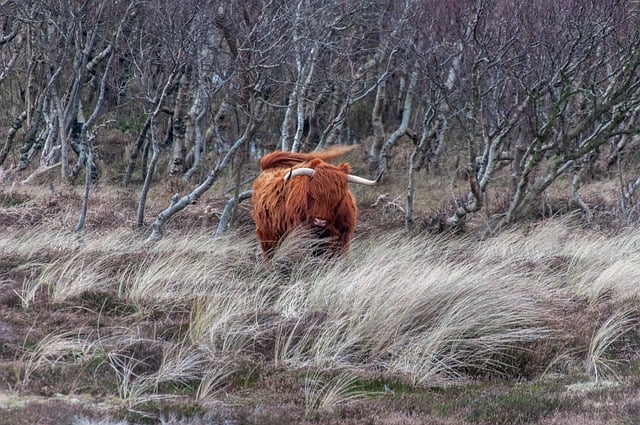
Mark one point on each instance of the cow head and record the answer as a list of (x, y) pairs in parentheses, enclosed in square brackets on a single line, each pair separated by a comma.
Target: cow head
[(326, 188)]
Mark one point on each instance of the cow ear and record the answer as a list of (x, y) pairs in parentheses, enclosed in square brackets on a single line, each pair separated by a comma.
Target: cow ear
[(344, 167)]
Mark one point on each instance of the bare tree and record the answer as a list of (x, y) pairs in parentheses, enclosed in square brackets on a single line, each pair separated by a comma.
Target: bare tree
[(88, 130), (513, 91), (17, 124), (180, 118), (156, 149), (388, 50), (178, 204), (588, 97), (538, 102), (240, 38), (403, 127), (70, 40)]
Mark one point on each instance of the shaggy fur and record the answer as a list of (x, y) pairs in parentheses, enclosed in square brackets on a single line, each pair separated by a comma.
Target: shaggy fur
[(323, 203)]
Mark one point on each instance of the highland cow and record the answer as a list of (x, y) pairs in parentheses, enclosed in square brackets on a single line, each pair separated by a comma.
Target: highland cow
[(297, 190)]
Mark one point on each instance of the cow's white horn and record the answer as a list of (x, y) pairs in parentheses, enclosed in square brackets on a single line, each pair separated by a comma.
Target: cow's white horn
[(299, 172), (361, 180)]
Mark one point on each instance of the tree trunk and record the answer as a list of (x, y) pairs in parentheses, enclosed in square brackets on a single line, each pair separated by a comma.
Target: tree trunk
[(135, 152), (575, 186), (230, 206), (180, 117), (404, 123), (88, 147), (178, 204), (17, 124), (378, 128), (417, 150), (285, 128), (32, 134), (155, 147), (156, 151), (304, 80), (198, 144)]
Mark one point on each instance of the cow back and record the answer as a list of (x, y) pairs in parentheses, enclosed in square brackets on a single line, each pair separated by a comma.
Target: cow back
[(283, 159)]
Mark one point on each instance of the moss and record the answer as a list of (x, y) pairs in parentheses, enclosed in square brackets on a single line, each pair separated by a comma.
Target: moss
[(13, 199), (521, 405), (383, 385)]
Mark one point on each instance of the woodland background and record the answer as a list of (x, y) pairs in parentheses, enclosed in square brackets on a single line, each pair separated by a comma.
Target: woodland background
[(506, 95)]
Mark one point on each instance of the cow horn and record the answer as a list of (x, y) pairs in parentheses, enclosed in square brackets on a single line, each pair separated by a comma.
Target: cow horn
[(299, 172), (361, 180)]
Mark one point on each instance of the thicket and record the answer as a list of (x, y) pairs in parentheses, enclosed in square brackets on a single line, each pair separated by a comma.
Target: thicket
[(508, 95)]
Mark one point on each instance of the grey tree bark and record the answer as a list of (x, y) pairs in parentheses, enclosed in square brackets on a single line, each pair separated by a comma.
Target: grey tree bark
[(178, 204), (15, 127), (156, 150)]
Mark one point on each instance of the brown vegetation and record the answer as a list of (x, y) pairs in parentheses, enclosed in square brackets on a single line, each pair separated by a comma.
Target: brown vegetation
[(534, 325)]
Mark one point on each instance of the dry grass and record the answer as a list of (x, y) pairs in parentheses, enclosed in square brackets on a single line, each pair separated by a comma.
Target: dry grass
[(52, 350), (325, 395), (602, 359), (410, 307), (197, 317)]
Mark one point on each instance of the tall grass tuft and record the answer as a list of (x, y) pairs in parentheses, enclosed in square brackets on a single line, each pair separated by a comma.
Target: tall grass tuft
[(322, 395), (403, 305), (179, 270), (601, 364), (53, 349), (139, 378)]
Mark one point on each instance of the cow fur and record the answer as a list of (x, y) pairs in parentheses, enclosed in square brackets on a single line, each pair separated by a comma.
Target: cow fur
[(322, 203)]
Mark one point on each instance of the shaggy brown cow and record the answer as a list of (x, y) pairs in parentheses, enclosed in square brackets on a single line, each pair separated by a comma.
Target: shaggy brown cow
[(303, 190)]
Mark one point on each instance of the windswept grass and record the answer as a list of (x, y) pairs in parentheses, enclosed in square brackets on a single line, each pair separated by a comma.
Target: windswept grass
[(425, 311), (602, 361), (52, 350), (178, 366), (325, 394), (410, 308)]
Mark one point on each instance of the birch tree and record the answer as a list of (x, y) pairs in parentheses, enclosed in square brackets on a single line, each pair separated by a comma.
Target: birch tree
[(88, 130), (389, 46), (240, 37), (542, 101)]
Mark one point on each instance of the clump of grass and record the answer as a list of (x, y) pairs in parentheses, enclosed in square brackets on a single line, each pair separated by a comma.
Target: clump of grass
[(177, 271), (73, 277), (400, 305), (27, 294), (67, 265), (215, 379), (142, 377), (36, 243), (601, 362), (605, 267), (54, 349), (322, 395)]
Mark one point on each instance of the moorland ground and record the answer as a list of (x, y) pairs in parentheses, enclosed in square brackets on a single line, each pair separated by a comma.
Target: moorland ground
[(538, 324)]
